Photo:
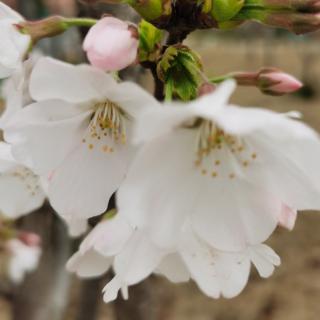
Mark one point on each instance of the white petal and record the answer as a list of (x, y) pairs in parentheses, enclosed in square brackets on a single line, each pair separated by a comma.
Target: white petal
[(132, 98), (137, 260), (238, 120), (208, 106), (14, 46), (7, 13), (159, 190), (160, 120), (264, 259), (83, 184), (108, 237), (77, 227), (216, 273), (232, 214), (5, 71), (43, 133), (7, 161), (288, 217), (228, 213), (112, 289), (20, 192), (173, 267), (288, 165), (88, 265), (53, 79)]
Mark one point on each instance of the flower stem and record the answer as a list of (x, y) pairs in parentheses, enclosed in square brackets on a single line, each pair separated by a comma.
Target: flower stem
[(79, 22), (52, 26)]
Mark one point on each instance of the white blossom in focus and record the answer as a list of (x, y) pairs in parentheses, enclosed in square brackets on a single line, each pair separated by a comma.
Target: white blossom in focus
[(13, 44), (20, 189), (76, 133), (230, 170), (23, 259)]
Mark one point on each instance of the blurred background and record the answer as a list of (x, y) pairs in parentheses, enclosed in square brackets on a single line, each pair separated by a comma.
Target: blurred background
[(293, 292)]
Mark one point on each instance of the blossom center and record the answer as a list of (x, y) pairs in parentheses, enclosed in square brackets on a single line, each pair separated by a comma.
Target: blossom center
[(28, 178), (107, 127), (221, 154)]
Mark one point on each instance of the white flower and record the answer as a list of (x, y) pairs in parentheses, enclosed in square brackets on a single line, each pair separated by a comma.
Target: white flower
[(20, 189), (217, 273), (77, 133), (23, 259), (228, 169), (13, 44), (96, 252), (134, 257)]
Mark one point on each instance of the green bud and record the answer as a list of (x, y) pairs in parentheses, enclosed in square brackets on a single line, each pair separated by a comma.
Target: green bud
[(151, 9), (179, 69), (224, 10)]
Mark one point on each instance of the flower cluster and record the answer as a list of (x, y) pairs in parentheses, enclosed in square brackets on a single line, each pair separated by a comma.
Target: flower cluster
[(200, 185)]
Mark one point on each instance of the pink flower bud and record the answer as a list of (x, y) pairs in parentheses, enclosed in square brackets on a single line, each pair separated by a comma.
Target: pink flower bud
[(276, 82), (30, 239), (111, 44), (206, 88)]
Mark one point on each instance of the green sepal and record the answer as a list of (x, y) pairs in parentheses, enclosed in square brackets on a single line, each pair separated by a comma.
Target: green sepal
[(179, 69), (224, 10), (150, 41)]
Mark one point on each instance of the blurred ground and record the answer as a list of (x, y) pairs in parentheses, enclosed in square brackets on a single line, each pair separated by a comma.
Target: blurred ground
[(293, 293)]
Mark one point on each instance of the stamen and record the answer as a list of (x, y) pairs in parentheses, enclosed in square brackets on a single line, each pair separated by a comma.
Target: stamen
[(107, 121), (219, 153)]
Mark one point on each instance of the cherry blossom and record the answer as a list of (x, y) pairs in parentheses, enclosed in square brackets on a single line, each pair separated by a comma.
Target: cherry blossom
[(228, 169), (217, 273), (20, 189), (23, 259), (77, 133)]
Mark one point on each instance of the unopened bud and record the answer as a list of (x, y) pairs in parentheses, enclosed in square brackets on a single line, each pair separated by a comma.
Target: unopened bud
[(270, 81), (206, 88), (276, 82), (30, 239), (112, 44), (298, 23), (224, 10), (292, 5), (297, 16)]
